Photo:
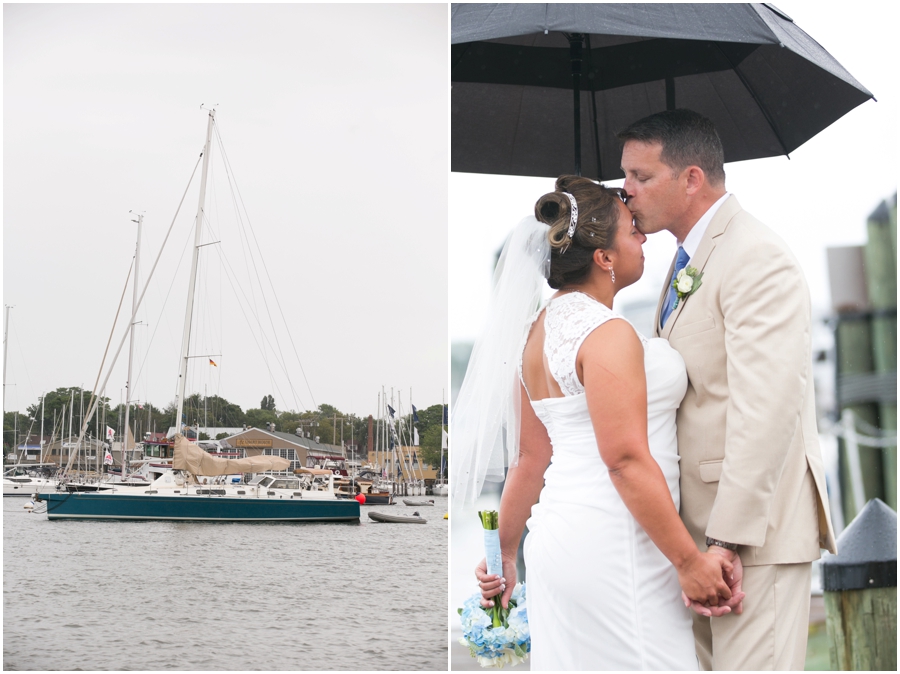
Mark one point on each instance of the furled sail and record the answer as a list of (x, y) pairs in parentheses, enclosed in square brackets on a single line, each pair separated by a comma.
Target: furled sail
[(198, 461)]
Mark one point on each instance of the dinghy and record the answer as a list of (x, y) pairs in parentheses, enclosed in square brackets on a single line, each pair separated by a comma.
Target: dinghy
[(397, 519)]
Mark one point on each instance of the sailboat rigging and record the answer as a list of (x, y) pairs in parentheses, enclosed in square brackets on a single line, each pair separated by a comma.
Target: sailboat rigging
[(174, 496)]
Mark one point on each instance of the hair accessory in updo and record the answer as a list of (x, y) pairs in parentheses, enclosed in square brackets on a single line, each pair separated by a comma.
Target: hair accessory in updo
[(573, 219)]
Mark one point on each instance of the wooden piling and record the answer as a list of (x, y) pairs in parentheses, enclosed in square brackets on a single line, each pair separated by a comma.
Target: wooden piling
[(860, 584), (860, 623), (855, 363), (881, 283)]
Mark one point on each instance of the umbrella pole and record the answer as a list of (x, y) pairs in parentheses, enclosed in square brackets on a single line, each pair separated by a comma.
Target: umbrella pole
[(670, 92), (576, 40), (593, 92)]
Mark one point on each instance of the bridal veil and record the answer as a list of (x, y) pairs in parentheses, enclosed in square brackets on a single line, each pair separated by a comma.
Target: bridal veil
[(485, 418)]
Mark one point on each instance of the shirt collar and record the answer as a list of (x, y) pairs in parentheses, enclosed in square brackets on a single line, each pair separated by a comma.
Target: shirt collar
[(692, 240)]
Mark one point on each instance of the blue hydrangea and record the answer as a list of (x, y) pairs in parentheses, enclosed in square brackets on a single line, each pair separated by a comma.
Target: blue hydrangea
[(508, 644)]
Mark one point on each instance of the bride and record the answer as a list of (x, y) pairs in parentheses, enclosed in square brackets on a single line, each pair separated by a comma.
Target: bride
[(585, 407)]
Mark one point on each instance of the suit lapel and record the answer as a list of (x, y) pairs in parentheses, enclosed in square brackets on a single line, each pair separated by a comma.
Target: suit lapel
[(716, 228)]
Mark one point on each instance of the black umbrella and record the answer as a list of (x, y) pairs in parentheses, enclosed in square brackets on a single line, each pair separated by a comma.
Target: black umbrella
[(516, 69)]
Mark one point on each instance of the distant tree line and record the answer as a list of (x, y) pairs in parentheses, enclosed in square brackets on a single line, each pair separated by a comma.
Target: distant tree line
[(327, 423)]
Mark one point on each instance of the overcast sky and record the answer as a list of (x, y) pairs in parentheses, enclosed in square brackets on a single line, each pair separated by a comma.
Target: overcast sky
[(335, 123), (819, 198)]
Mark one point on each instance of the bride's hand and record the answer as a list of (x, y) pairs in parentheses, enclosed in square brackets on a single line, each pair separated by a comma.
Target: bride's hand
[(702, 579), (734, 581), (492, 585)]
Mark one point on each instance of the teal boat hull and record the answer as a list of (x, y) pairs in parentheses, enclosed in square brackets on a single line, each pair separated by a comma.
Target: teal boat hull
[(184, 507)]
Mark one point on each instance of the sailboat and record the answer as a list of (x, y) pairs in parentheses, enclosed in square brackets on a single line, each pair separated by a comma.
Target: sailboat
[(176, 495)]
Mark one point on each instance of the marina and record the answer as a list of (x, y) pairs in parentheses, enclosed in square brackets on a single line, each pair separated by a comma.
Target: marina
[(159, 595), (234, 284)]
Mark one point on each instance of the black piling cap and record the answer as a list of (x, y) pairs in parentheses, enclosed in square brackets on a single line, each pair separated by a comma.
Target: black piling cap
[(867, 552)]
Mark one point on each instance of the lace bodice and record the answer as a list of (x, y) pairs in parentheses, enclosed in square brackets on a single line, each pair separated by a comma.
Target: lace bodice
[(570, 319)]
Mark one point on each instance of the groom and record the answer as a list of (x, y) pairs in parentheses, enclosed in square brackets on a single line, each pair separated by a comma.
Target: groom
[(752, 478)]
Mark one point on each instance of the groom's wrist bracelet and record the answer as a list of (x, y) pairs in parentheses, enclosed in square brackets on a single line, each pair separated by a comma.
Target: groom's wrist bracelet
[(721, 544)]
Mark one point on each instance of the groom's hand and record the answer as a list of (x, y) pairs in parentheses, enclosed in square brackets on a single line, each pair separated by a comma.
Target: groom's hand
[(701, 577), (492, 585), (733, 579)]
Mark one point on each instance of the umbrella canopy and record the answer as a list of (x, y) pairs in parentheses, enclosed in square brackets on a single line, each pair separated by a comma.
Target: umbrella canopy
[(517, 69)]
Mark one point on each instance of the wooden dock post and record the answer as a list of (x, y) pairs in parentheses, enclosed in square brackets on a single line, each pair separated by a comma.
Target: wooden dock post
[(860, 584), (854, 369), (881, 282)]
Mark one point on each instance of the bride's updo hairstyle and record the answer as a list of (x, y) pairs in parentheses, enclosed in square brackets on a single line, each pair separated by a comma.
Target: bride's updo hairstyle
[(598, 217)]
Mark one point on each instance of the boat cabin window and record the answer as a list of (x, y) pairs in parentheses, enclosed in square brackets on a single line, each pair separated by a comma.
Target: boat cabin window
[(285, 484), (265, 481)]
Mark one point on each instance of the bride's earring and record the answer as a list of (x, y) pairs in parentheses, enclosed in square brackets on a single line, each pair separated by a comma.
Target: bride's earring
[(612, 274)]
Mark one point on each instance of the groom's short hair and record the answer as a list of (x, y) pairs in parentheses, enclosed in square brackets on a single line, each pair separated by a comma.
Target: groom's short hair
[(687, 138)]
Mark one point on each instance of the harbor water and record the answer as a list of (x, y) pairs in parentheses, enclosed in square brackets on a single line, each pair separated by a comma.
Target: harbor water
[(90, 595)]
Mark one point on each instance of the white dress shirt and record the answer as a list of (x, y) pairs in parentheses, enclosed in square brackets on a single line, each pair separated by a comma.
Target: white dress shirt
[(692, 240)]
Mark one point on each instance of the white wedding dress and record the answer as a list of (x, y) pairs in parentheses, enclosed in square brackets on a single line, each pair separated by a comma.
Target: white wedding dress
[(601, 596)]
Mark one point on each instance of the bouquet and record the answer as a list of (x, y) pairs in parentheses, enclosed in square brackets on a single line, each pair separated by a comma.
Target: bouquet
[(495, 636)]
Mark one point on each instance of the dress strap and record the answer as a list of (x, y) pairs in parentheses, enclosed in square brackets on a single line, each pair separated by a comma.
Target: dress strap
[(528, 327), (570, 319)]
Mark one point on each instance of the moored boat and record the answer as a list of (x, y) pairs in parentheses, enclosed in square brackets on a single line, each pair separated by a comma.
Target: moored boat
[(210, 507), (397, 519), (27, 479), (410, 502)]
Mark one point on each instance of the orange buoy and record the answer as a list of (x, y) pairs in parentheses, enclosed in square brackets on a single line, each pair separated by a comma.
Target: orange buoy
[(361, 498)]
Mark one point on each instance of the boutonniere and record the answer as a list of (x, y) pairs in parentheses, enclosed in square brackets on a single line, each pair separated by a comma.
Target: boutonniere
[(686, 283)]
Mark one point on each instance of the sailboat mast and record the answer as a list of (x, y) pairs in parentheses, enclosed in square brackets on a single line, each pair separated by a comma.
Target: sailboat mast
[(134, 302), (198, 235), (78, 446), (5, 346), (71, 412), (378, 459), (41, 441), (442, 438)]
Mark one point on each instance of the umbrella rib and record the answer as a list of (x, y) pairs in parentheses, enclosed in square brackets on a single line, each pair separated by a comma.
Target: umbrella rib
[(594, 130), (759, 104)]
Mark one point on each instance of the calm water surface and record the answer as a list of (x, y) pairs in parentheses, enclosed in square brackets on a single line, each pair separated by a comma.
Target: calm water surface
[(206, 596)]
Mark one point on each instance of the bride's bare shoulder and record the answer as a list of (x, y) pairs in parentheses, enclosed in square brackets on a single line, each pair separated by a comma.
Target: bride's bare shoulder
[(615, 339)]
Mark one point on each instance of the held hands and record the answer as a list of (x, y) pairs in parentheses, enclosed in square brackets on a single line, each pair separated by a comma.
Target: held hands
[(702, 578), (732, 576), (492, 585)]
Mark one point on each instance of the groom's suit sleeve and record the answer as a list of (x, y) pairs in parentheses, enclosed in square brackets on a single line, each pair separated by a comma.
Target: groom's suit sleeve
[(766, 315)]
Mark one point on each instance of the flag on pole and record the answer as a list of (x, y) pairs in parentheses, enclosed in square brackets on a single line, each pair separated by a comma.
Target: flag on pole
[(107, 458), (391, 410), (444, 438), (212, 362), (445, 415), (416, 437), (415, 416), (110, 433)]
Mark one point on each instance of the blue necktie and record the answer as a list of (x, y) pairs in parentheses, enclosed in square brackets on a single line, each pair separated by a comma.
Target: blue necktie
[(680, 263)]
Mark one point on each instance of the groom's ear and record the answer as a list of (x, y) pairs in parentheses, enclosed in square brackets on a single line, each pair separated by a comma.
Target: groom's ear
[(696, 179)]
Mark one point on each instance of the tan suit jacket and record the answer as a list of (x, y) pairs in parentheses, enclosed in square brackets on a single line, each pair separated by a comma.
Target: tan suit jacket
[(751, 466)]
